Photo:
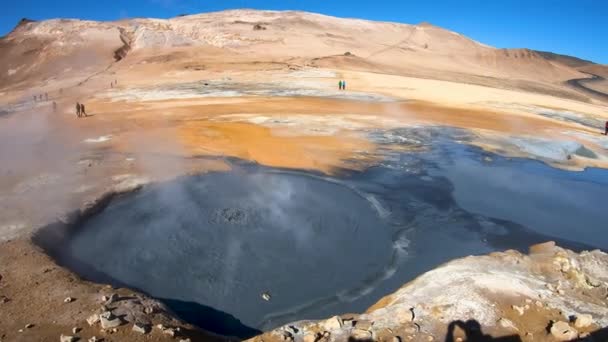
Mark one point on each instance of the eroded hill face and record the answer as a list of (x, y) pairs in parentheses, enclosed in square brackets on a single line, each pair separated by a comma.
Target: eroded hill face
[(43, 51)]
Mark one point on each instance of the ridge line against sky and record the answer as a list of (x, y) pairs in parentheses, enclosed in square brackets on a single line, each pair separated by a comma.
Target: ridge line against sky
[(575, 28)]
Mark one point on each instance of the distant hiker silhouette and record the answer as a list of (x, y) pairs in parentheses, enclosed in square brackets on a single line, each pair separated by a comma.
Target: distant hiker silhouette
[(77, 109)]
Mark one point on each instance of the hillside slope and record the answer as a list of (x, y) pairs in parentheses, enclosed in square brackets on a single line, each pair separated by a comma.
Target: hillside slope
[(41, 51)]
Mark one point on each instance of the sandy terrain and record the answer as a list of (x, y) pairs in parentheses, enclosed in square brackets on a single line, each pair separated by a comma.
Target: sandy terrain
[(195, 90)]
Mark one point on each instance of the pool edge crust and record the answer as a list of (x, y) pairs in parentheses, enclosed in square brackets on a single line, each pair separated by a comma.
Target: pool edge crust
[(502, 294)]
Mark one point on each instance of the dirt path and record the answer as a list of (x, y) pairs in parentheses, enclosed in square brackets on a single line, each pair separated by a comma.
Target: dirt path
[(579, 83)]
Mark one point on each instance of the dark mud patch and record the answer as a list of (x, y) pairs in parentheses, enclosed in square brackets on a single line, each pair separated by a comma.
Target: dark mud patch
[(209, 246)]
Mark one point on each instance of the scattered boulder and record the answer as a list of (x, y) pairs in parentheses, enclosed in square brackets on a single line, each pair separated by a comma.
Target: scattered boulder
[(141, 328), (562, 331), (108, 320), (68, 338), (169, 331), (112, 299), (583, 321), (520, 311), (95, 339), (68, 300), (363, 325), (333, 323), (266, 296), (310, 337), (29, 325), (94, 318), (360, 334), (542, 248), (258, 27), (396, 339), (507, 324), (348, 53), (75, 330)]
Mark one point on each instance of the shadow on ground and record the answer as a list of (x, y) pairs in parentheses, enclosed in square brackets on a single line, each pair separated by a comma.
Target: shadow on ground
[(473, 333)]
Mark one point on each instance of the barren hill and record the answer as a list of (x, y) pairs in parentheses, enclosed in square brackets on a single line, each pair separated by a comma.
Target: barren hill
[(38, 51)]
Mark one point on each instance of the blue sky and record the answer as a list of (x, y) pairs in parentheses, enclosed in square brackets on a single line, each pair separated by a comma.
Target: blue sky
[(573, 27)]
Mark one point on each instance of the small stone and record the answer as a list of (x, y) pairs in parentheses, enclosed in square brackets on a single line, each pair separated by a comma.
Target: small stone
[(396, 339), (507, 324), (4, 300), (266, 296), (68, 338), (112, 299), (458, 339), (108, 320), (68, 300), (310, 338), (333, 323), (169, 331), (141, 328), (160, 327), (410, 330), (94, 318), (583, 321), (75, 330), (104, 298), (29, 325), (538, 303), (95, 339), (286, 336), (361, 334), (519, 309), (562, 331), (148, 310), (20, 330), (185, 340), (430, 338), (363, 325)]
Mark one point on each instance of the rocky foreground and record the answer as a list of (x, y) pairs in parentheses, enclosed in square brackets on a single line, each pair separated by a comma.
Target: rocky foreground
[(552, 294)]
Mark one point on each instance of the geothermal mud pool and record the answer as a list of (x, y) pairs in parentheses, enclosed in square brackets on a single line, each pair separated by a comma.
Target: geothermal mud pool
[(211, 245)]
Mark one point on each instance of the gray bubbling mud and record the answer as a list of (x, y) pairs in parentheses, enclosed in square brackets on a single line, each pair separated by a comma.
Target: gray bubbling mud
[(210, 245)]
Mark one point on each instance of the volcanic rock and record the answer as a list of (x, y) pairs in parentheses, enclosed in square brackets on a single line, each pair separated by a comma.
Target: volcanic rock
[(68, 338), (583, 321), (94, 318), (108, 320), (141, 328), (562, 331), (333, 323)]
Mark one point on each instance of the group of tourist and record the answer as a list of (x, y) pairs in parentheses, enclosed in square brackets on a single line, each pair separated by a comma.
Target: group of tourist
[(80, 112)]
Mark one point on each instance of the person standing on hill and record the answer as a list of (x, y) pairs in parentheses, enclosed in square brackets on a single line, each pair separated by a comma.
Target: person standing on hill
[(82, 111), (340, 84), (77, 109), (606, 130), (343, 85)]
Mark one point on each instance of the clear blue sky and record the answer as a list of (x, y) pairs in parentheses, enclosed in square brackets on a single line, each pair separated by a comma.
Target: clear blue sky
[(572, 27)]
